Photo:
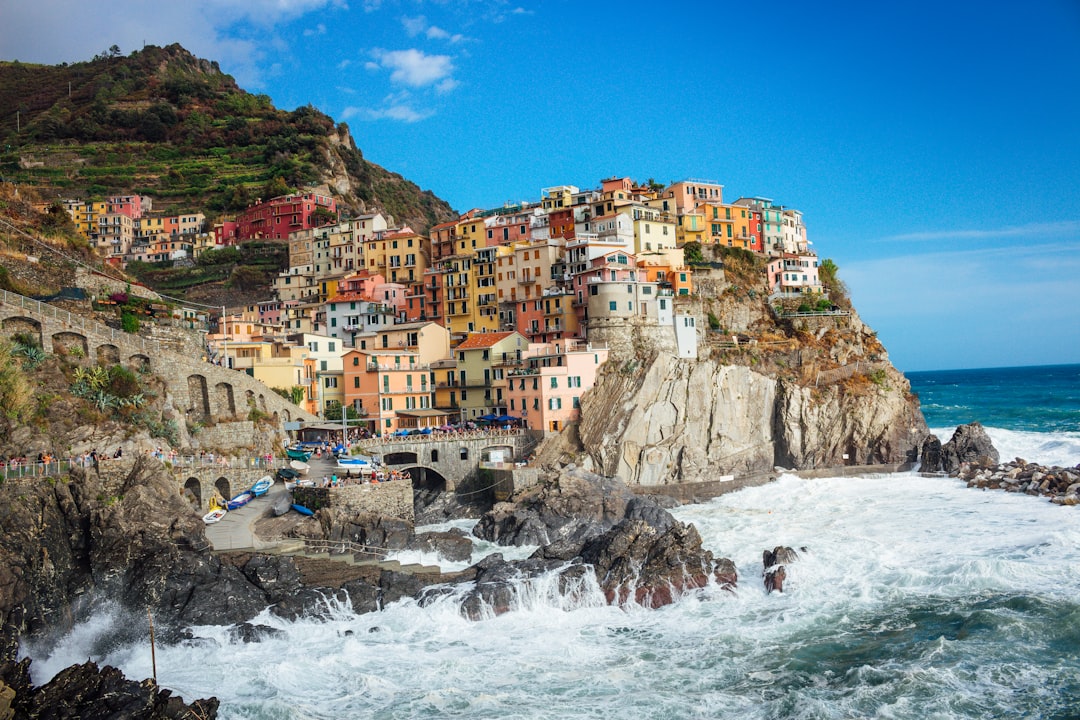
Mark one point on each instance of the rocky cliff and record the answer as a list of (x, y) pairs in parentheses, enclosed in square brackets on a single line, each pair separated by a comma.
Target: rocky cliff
[(773, 388)]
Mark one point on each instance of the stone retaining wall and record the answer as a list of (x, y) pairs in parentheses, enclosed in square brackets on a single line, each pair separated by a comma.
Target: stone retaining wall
[(394, 499), (231, 436)]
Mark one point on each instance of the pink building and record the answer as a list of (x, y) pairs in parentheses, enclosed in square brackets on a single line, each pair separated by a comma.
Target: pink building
[(546, 392), (614, 267), (279, 216)]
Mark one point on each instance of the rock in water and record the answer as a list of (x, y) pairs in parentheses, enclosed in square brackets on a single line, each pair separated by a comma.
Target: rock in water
[(573, 505), (773, 562), (774, 579), (969, 444), (930, 454)]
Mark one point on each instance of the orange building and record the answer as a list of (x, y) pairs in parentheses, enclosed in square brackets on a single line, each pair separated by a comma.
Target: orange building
[(391, 390)]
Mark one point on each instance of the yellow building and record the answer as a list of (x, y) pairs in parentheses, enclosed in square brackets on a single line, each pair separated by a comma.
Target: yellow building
[(484, 361)]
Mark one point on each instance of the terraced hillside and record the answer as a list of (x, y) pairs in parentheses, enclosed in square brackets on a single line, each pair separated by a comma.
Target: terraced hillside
[(164, 123)]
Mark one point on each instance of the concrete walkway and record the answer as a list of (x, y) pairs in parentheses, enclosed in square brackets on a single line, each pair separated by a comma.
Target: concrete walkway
[(235, 530)]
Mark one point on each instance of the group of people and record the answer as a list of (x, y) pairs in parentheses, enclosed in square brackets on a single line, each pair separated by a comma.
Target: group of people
[(376, 477)]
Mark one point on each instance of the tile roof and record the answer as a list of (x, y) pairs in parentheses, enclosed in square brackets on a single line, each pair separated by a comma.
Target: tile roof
[(483, 340)]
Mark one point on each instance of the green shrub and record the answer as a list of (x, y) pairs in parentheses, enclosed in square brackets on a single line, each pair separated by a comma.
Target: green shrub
[(129, 322)]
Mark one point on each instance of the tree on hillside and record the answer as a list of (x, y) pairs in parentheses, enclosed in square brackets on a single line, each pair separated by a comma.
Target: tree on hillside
[(275, 187), (828, 274)]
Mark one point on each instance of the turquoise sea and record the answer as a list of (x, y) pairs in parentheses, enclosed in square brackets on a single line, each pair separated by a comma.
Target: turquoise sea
[(1029, 412), (914, 598)]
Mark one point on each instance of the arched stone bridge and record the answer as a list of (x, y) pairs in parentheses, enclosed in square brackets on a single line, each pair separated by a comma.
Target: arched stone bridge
[(207, 392), (447, 460), (200, 483)]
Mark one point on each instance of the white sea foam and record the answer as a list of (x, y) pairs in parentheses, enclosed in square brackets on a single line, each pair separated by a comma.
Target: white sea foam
[(1044, 448), (915, 598)]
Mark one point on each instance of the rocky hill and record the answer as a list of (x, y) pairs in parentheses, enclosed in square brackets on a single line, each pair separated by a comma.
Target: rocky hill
[(164, 123)]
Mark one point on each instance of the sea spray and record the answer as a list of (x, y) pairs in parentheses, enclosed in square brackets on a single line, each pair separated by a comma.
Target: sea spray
[(916, 597)]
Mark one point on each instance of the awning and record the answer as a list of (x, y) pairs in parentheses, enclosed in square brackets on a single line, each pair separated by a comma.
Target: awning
[(423, 413)]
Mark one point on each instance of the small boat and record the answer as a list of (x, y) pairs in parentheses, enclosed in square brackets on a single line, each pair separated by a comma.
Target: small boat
[(286, 474), (355, 462), (297, 454), (300, 467), (214, 515), (240, 500), (260, 488), (302, 510)]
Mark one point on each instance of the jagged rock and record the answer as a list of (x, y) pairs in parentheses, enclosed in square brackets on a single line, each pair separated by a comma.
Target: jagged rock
[(453, 545), (969, 444), (87, 692), (780, 555), (248, 633), (774, 579), (377, 532), (930, 454), (672, 421), (574, 505), (652, 567)]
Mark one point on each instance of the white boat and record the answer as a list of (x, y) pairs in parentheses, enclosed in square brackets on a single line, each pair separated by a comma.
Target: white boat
[(214, 515), (356, 463), (300, 466), (260, 488)]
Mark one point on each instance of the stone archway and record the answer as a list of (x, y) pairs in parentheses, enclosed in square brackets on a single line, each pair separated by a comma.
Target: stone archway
[(223, 488), (400, 458), (15, 325), (428, 484), (223, 394), (140, 363), (193, 492), (286, 415), (198, 398), (71, 343), (108, 354)]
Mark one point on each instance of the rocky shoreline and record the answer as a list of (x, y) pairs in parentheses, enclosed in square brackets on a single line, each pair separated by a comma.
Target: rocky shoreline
[(971, 456)]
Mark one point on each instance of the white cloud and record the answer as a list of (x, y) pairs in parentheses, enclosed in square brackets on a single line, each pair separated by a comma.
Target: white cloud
[(415, 67), (77, 30), (1030, 229), (401, 112), (344, 64), (446, 86), (972, 308), (418, 25), (414, 25), (319, 29)]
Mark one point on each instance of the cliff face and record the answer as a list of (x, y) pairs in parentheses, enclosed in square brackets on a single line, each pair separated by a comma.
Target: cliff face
[(658, 420)]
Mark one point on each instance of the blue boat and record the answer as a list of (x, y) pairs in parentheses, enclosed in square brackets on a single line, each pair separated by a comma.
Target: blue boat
[(260, 488), (302, 510), (240, 500)]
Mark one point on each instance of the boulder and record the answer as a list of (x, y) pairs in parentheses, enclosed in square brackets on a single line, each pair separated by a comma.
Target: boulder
[(774, 579), (453, 545), (575, 505), (91, 693), (969, 444), (636, 562), (930, 454)]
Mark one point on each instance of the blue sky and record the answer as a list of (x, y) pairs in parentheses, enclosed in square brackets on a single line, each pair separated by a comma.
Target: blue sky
[(934, 148)]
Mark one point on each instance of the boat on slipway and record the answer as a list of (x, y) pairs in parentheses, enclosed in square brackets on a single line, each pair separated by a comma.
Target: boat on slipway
[(240, 500), (262, 486), (298, 454), (214, 516)]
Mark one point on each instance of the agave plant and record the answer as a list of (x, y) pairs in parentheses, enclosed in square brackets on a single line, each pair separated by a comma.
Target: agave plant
[(32, 355)]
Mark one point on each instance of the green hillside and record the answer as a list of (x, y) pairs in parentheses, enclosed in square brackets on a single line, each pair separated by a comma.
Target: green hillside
[(164, 123)]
